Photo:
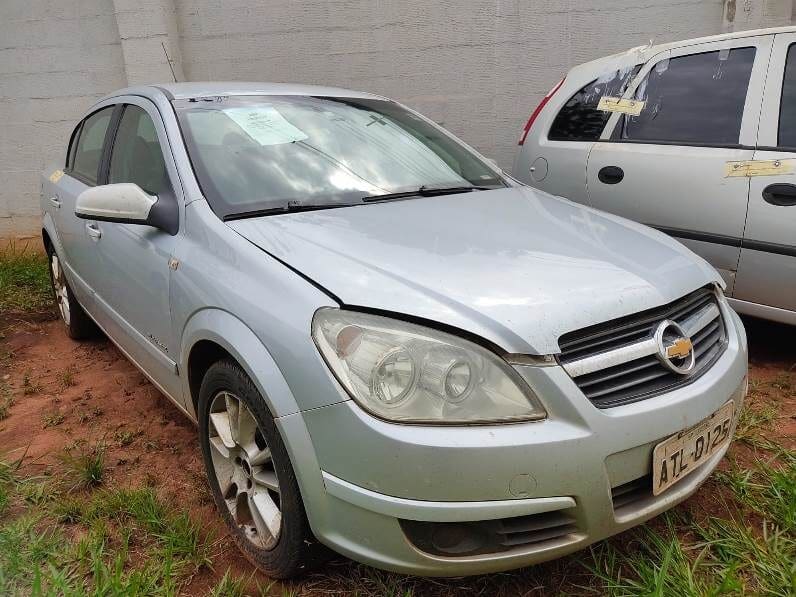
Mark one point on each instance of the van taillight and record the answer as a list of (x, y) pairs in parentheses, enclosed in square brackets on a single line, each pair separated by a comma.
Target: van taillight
[(536, 112)]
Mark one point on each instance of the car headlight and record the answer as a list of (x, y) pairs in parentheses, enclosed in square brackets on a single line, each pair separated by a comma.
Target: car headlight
[(408, 373)]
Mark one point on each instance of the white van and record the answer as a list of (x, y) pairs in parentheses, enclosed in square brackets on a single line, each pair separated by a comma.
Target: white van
[(695, 138)]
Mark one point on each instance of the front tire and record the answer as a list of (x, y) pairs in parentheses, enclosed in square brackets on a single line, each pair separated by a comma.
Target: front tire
[(78, 324), (250, 475)]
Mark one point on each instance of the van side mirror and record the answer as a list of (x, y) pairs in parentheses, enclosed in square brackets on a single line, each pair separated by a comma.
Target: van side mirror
[(127, 203)]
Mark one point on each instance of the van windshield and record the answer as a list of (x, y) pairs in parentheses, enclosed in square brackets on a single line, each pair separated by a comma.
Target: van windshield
[(257, 153)]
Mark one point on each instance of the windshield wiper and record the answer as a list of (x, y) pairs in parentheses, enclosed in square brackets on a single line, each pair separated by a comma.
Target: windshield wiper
[(286, 208), (425, 191), (296, 206)]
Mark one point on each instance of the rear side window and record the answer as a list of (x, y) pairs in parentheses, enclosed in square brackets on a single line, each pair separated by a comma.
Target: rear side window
[(89, 146), (693, 99), (787, 105), (579, 119), (137, 156)]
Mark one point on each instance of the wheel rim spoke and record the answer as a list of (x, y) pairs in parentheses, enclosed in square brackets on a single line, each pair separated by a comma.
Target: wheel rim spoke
[(247, 428), (267, 479), (267, 517), (221, 423), (233, 407), (257, 456), (223, 451)]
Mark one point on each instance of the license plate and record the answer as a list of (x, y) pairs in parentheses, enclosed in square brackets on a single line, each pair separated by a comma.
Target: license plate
[(677, 457)]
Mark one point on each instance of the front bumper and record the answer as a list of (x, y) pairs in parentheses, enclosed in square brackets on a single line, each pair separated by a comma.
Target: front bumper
[(375, 474)]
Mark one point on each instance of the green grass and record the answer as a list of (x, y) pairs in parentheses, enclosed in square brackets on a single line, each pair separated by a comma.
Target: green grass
[(85, 465), (24, 281), (749, 551), (96, 542), (229, 586)]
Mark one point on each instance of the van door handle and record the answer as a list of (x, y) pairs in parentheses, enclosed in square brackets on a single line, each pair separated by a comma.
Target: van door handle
[(780, 193), (55, 201), (611, 174), (94, 231)]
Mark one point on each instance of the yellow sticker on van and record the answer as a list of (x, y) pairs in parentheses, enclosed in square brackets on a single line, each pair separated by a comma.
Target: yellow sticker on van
[(759, 168), (623, 106), (56, 176)]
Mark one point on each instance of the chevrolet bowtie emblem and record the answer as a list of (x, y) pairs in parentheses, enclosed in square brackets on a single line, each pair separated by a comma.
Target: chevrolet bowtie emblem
[(679, 349)]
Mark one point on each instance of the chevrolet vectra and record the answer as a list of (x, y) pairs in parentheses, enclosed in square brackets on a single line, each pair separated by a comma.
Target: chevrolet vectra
[(390, 348)]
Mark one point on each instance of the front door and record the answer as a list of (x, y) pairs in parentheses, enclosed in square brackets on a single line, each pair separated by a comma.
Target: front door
[(133, 261), (666, 166), (767, 270)]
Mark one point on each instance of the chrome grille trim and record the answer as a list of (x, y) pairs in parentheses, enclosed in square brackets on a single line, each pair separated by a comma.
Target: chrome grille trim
[(624, 354), (622, 360)]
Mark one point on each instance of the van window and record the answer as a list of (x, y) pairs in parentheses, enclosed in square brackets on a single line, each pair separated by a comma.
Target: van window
[(579, 119), (787, 105), (137, 156), (89, 146), (697, 98)]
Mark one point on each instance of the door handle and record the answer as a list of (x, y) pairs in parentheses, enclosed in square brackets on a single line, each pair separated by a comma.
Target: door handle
[(610, 174), (94, 231), (780, 193), (56, 202)]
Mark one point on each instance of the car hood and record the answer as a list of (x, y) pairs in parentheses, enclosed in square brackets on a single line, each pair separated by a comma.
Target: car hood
[(516, 266)]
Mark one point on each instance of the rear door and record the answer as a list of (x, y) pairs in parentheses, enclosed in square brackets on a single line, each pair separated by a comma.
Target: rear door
[(666, 166), (767, 270), (81, 172)]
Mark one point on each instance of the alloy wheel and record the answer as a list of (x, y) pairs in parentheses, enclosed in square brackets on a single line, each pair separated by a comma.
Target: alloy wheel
[(244, 470), (60, 287)]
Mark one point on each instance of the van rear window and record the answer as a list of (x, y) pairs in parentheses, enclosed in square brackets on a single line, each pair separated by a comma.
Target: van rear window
[(579, 119)]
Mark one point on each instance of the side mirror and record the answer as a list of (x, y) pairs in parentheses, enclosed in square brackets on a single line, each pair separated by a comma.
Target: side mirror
[(127, 203)]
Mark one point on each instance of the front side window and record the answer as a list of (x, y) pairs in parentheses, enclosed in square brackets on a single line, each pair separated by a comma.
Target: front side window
[(579, 119), (88, 152), (259, 152), (787, 105), (137, 157), (693, 99)]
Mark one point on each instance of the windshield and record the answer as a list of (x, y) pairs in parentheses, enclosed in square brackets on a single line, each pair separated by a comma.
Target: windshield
[(254, 153)]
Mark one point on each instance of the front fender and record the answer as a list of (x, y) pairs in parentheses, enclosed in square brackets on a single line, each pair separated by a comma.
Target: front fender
[(239, 340)]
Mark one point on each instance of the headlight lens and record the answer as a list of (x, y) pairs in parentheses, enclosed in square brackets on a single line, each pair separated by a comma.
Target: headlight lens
[(404, 372)]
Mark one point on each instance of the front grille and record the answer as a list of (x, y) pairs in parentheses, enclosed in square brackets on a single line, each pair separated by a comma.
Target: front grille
[(458, 539), (617, 362)]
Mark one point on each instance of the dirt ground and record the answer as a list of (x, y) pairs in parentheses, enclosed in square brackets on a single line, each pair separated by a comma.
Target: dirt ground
[(67, 392)]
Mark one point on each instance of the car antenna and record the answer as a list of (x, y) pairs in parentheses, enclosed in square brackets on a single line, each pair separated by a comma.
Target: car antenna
[(171, 67)]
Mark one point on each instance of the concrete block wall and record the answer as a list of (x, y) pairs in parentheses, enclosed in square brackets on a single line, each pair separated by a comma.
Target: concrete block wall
[(477, 67), (56, 58)]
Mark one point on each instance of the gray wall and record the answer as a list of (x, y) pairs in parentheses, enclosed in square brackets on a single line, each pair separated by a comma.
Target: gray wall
[(479, 68)]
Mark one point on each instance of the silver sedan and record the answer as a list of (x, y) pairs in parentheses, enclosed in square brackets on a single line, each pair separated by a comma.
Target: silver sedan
[(390, 348)]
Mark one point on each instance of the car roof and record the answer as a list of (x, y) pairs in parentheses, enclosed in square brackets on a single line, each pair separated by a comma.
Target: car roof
[(215, 88), (644, 53)]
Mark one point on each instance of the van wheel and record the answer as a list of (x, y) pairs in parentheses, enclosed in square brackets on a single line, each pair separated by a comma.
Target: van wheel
[(78, 324), (250, 475)]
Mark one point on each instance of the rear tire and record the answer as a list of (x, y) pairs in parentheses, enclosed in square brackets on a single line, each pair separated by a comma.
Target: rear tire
[(79, 325), (250, 475)]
